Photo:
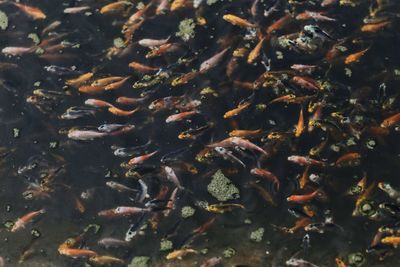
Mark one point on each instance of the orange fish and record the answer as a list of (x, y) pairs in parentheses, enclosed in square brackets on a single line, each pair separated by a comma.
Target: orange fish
[(255, 53), (33, 12), (340, 263), (374, 27), (355, 57), (180, 116), (76, 252), (123, 113), (245, 133), (304, 178), (300, 124), (394, 119), (266, 175), (89, 89), (235, 20), (116, 85), (306, 83), (348, 159), (80, 80), (27, 218), (141, 68), (279, 24), (114, 7), (303, 198), (142, 158), (236, 111), (177, 4), (393, 240)]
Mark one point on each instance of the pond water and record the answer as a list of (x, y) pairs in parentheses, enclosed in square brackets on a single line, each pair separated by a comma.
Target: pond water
[(274, 126)]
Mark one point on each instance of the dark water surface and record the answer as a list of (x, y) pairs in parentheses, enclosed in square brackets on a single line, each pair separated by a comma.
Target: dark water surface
[(353, 98)]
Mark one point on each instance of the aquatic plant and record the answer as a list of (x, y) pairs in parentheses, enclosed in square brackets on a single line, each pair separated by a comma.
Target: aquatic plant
[(222, 188)]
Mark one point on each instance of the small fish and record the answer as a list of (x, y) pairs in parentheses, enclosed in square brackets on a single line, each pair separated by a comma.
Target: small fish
[(340, 263), (142, 158), (235, 20), (17, 51), (33, 12), (122, 113), (391, 120), (306, 82), (213, 61), (120, 187), (245, 133), (255, 53), (106, 260), (223, 207), (153, 42), (75, 10), (130, 100), (355, 57), (374, 27), (240, 142), (263, 193), (180, 116), (178, 254), (304, 198), (141, 67), (237, 110), (97, 103), (80, 80), (171, 176), (266, 175), (317, 16), (76, 252), (27, 218), (300, 124), (114, 7), (112, 127), (228, 155), (306, 161), (295, 262), (392, 240), (212, 262)]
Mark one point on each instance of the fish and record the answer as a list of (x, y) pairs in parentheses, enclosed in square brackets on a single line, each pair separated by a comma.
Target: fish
[(391, 120), (300, 124), (171, 176), (105, 260), (306, 82), (77, 82), (122, 113), (153, 42), (340, 263), (212, 262), (114, 7), (33, 12), (355, 57), (240, 142), (213, 61), (122, 211), (306, 161), (180, 116), (17, 51), (21, 222), (245, 133), (299, 263), (76, 252), (263, 193), (75, 10), (142, 158), (178, 254), (141, 67), (227, 154), (223, 207), (120, 187), (348, 159), (237, 111), (317, 16), (266, 175), (374, 27), (235, 20), (304, 198)]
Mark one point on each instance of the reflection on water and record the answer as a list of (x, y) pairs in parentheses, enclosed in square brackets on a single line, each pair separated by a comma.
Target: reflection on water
[(251, 133)]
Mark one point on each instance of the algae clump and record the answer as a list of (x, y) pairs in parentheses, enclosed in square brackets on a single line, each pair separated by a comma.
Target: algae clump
[(222, 188), (186, 29), (3, 20), (257, 235), (139, 261), (187, 212)]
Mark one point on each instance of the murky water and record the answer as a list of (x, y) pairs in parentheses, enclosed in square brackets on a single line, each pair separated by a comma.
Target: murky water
[(41, 168)]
